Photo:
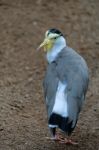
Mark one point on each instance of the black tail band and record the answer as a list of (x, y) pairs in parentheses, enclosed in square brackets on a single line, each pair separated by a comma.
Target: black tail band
[(62, 122)]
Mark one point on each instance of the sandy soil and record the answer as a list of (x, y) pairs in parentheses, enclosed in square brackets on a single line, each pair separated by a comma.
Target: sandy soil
[(23, 120)]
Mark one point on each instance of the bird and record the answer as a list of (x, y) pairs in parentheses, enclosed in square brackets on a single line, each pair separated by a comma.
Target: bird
[(65, 85)]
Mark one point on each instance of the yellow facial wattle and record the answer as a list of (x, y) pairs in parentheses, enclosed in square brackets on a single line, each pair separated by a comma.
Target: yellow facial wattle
[(49, 41), (47, 44)]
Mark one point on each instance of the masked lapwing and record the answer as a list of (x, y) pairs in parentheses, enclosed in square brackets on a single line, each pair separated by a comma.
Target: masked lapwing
[(65, 84)]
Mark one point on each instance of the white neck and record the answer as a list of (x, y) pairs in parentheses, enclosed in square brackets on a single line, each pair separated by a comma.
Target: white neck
[(58, 46)]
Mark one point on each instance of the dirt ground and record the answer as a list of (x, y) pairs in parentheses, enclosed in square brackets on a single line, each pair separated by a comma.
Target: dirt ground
[(23, 120)]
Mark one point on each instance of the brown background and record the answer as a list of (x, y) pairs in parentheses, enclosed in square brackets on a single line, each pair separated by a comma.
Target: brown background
[(23, 120)]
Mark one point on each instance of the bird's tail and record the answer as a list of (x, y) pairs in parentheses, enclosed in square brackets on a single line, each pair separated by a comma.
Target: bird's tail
[(63, 123)]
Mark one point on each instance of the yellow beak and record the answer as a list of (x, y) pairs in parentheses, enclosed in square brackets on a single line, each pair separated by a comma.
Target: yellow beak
[(47, 44)]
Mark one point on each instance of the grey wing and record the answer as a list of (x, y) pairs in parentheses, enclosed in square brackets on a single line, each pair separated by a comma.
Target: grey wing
[(76, 96), (75, 73), (50, 84)]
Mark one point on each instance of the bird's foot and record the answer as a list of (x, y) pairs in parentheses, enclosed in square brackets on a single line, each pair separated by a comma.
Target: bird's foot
[(57, 137), (68, 142)]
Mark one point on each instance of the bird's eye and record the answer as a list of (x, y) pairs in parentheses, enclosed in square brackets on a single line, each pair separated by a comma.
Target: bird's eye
[(55, 38)]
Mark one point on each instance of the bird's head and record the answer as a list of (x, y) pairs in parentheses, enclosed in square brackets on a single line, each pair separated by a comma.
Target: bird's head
[(51, 37)]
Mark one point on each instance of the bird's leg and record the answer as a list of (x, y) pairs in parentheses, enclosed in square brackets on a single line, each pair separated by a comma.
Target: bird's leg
[(55, 136), (53, 133)]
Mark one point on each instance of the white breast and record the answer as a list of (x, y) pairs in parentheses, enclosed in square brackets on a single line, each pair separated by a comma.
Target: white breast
[(60, 106)]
